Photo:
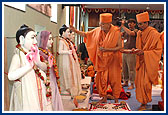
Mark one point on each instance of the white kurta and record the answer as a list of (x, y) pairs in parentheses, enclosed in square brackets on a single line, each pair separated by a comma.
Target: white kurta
[(25, 96), (69, 77), (64, 67)]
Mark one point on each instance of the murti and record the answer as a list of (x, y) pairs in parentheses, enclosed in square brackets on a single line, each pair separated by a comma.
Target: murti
[(47, 81), (54, 65)]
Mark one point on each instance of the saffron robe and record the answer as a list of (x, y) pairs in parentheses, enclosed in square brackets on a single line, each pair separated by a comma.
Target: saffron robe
[(147, 65), (107, 64), (162, 93)]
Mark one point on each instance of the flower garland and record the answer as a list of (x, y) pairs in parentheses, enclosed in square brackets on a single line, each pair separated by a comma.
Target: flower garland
[(20, 48), (70, 47), (46, 82), (54, 65), (37, 71), (75, 50)]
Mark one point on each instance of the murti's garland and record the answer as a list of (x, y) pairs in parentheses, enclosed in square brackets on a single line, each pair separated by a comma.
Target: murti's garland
[(47, 81), (70, 47), (54, 65), (75, 49)]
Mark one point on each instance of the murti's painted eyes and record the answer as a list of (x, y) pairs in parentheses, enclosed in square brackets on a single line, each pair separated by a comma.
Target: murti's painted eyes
[(33, 37)]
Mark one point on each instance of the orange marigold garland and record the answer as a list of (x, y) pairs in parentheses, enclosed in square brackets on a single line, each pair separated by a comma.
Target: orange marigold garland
[(70, 47), (38, 73), (75, 50), (20, 48), (54, 65)]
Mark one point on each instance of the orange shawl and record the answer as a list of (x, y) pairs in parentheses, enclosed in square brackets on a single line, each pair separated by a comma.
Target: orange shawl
[(97, 38), (162, 93), (149, 41)]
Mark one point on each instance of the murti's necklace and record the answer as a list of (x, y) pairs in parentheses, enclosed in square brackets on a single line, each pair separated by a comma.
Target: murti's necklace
[(37, 71), (54, 64), (70, 47), (75, 49)]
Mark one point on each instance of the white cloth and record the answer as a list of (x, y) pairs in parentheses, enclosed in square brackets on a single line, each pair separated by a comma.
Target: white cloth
[(68, 70), (56, 97), (76, 72), (25, 96), (64, 67)]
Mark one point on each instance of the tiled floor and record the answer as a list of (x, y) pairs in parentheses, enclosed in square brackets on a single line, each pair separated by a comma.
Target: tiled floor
[(134, 104)]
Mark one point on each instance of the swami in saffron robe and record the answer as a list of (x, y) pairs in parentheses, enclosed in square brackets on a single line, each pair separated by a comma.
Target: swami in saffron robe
[(107, 64), (147, 65)]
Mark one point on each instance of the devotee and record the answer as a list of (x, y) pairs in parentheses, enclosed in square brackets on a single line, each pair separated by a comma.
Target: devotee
[(129, 60), (148, 52), (30, 91), (106, 61), (70, 76), (83, 51), (45, 42)]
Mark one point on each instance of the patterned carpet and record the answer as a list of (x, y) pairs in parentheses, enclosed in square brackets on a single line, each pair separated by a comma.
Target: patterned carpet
[(134, 104)]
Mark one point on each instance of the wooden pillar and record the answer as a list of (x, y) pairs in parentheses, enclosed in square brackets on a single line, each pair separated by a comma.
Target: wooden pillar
[(6, 88)]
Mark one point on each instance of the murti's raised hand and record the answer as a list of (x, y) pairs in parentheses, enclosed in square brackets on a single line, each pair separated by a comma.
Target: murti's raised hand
[(35, 51), (30, 58), (33, 55)]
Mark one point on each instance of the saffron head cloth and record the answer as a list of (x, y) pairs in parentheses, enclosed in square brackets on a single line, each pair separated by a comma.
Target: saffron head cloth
[(106, 17), (142, 17)]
